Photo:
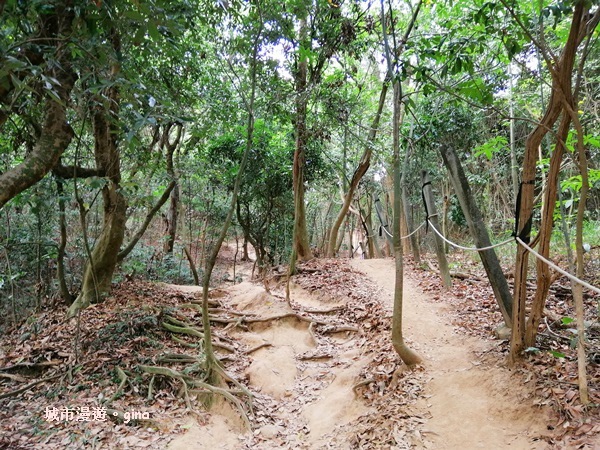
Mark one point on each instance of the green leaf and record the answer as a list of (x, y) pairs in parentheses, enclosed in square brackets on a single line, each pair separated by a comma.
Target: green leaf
[(491, 147), (153, 31), (567, 320), (557, 354)]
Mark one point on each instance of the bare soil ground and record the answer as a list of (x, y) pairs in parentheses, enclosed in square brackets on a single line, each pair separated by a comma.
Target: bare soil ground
[(470, 404), (464, 403), (322, 372)]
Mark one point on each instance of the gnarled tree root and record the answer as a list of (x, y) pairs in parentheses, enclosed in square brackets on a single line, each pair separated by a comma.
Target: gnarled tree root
[(195, 386)]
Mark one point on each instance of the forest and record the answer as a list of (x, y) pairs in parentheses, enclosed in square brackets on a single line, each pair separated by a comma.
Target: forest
[(304, 224)]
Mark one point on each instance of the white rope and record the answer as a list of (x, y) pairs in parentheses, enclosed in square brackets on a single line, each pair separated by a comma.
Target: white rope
[(388, 233), (474, 249), (404, 237), (418, 228), (558, 269)]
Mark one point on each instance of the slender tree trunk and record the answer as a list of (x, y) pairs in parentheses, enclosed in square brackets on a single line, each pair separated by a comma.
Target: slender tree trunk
[(439, 243), (545, 235), (301, 244), (60, 258), (576, 287), (414, 239), (478, 232), (138, 235), (408, 356), (173, 212), (212, 364), (359, 172), (561, 79), (514, 168)]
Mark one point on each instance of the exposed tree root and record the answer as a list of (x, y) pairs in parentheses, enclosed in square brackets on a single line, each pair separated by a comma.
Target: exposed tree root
[(123, 378), (314, 357), (258, 347), (361, 384), (184, 328), (195, 386), (29, 386), (340, 329)]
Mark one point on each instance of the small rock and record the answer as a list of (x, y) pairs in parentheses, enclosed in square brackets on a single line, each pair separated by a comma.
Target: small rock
[(270, 431), (502, 332)]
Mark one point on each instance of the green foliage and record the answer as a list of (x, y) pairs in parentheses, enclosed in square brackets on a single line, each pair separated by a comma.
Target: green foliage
[(493, 146)]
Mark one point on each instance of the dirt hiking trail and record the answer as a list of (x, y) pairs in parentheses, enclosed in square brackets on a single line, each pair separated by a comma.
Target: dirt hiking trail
[(304, 380), (469, 407)]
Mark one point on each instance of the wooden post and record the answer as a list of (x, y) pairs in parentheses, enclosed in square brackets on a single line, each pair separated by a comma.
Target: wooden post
[(439, 243)]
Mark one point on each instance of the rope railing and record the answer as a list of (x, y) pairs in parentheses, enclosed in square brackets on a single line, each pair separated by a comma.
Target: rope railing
[(474, 249), (408, 235), (558, 269)]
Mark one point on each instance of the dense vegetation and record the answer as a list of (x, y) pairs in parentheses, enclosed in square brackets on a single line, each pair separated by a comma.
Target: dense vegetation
[(132, 131)]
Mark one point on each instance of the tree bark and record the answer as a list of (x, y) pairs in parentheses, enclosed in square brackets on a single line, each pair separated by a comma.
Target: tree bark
[(478, 232), (561, 72), (439, 243), (173, 212), (301, 245), (359, 172), (545, 234), (99, 270), (55, 138), (408, 356)]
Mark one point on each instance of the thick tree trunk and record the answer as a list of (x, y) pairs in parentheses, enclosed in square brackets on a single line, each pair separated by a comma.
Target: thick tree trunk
[(439, 243), (53, 141), (478, 232), (361, 169), (99, 270)]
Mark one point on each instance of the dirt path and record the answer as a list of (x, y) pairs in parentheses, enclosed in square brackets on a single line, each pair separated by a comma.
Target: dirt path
[(305, 401), (303, 381), (468, 406)]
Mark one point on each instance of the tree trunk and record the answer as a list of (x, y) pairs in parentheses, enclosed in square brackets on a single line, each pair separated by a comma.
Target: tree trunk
[(54, 139), (373, 245), (56, 132), (60, 257), (173, 212), (414, 240), (408, 356), (137, 236), (545, 235), (561, 78), (439, 243), (361, 169), (301, 245), (478, 232), (98, 273)]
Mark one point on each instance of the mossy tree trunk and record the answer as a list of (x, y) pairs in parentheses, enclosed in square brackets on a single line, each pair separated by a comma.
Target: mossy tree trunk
[(100, 267), (55, 131)]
